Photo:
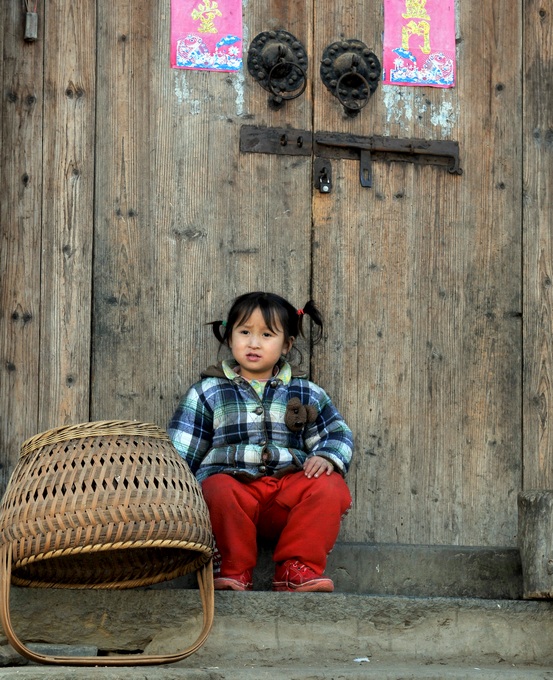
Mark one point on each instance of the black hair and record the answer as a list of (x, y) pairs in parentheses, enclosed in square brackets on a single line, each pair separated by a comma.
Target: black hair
[(274, 309)]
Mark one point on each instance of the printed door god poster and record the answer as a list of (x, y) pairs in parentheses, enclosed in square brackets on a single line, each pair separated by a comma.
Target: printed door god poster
[(206, 34), (419, 42)]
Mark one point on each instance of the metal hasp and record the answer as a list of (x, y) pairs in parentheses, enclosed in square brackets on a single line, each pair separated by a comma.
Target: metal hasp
[(278, 61), (351, 72), (328, 145)]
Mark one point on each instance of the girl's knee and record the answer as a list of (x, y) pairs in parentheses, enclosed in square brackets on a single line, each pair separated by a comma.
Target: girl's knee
[(335, 487), (332, 486), (334, 481)]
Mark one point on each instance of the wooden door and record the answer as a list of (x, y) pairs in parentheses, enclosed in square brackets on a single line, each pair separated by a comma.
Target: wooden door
[(184, 223), (418, 277), (420, 281), (130, 218)]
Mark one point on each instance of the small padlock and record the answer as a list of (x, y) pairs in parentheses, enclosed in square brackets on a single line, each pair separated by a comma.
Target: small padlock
[(322, 171)]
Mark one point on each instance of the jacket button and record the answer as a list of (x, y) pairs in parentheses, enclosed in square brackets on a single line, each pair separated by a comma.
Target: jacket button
[(262, 468), (259, 410)]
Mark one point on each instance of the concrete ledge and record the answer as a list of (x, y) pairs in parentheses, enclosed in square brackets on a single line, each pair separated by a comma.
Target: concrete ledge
[(427, 571), (410, 570), (284, 628)]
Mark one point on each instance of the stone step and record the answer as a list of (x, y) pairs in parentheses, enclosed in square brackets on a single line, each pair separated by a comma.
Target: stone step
[(286, 630), (416, 570), (376, 670)]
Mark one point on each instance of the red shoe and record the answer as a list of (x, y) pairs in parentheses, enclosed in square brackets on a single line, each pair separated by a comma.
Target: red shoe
[(293, 576), (234, 582)]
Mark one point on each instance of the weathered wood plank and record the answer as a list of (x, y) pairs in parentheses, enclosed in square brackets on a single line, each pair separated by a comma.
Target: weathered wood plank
[(266, 239), (68, 212), (538, 246), (420, 277), (126, 297), (20, 229), (491, 314), (535, 531)]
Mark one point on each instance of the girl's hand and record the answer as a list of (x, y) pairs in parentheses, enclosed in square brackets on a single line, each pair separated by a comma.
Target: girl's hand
[(317, 466)]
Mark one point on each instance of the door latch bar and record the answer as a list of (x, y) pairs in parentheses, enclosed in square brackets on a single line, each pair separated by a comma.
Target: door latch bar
[(328, 145), (280, 141)]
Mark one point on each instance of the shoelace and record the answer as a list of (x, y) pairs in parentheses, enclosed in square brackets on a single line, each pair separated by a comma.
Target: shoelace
[(302, 568)]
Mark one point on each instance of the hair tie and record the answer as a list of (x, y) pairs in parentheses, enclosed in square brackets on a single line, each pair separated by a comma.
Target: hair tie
[(300, 312), (224, 324)]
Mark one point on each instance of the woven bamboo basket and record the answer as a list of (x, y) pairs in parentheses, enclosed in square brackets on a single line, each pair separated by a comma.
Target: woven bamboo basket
[(105, 504)]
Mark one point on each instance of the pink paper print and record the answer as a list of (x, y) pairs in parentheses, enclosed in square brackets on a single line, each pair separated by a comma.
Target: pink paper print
[(206, 34), (419, 42)]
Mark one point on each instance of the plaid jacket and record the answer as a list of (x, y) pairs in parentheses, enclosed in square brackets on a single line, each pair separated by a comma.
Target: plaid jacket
[(221, 425)]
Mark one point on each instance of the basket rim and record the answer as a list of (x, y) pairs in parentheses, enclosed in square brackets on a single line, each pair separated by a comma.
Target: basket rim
[(202, 555), (96, 428), (191, 546)]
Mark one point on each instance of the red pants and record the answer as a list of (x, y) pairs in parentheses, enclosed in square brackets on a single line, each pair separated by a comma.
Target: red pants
[(303, 515)]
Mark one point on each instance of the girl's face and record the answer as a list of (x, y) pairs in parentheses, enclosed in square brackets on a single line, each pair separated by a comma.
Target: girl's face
[(256, 347)]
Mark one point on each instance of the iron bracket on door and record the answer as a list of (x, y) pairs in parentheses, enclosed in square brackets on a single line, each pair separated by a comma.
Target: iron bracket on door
[(328, 145)]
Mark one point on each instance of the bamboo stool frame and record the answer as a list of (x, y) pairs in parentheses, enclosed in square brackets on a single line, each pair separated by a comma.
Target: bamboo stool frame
[(108, 504)]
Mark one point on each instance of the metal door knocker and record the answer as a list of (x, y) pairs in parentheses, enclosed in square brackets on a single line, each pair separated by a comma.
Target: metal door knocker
[(278, 61), (351, 72)]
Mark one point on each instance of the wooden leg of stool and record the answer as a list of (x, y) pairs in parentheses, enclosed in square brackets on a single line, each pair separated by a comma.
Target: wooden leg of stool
[(205, 584)]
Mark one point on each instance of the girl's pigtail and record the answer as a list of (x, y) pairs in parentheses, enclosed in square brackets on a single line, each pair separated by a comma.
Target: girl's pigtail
[(216, 327), (311, 310)]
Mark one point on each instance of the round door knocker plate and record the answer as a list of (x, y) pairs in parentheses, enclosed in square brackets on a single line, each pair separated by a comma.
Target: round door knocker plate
[(351, 72), (278, 61)]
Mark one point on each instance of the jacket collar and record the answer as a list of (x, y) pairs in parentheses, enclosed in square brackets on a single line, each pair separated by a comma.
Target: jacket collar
[(226, 368)]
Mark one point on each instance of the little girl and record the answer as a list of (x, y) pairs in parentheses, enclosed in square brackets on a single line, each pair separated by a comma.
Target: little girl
[(269, 448)]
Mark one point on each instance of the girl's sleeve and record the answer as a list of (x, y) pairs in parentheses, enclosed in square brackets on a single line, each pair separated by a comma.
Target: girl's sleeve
[(329, 436), (191, 428)]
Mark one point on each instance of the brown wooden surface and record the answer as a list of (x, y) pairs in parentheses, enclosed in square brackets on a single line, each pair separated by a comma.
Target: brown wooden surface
[(419, 277), (20, 229), (184, 223), (67, 213), (421, 286), (535, 527), (538, 246)]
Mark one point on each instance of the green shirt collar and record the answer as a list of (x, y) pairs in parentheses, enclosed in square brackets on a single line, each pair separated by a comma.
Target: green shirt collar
[(284, 372)]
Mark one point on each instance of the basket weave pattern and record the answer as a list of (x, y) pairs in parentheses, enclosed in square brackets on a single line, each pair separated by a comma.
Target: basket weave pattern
[(109, 504)]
